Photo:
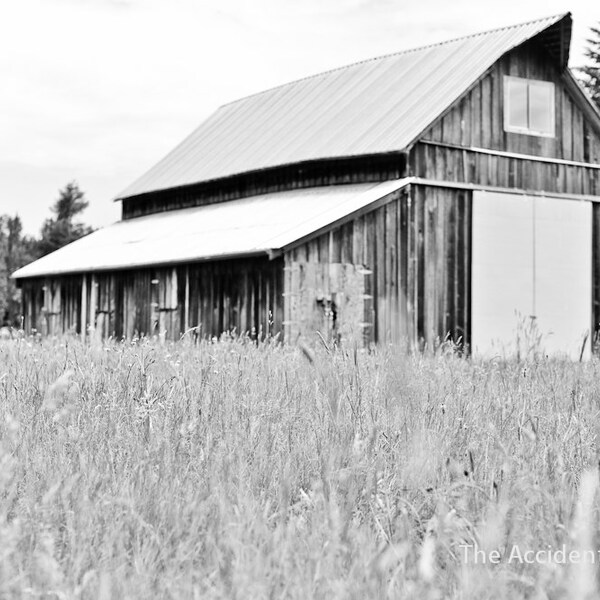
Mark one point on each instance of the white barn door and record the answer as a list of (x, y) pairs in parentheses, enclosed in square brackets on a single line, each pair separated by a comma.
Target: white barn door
[(531, 275)]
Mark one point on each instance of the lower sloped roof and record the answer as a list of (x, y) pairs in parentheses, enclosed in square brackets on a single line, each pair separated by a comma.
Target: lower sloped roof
[(250, 226)]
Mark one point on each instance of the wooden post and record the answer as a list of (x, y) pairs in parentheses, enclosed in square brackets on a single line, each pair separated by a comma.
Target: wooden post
[(46, 308), (83, 306), (93, 303), (173, 290), (186, 307), (56, 320)]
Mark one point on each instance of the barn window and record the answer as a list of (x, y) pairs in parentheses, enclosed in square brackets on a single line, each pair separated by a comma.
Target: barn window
[(529, 106)]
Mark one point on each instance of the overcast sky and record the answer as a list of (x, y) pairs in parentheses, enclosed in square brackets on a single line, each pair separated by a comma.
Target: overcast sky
[(99, 90)]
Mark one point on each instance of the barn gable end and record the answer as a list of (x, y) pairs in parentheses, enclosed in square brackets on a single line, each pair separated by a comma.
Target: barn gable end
[(477, 119)]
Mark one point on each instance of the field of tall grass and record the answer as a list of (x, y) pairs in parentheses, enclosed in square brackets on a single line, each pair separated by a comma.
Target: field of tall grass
[(243, 470)]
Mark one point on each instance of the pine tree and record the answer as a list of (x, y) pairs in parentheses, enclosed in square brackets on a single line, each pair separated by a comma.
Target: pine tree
[(591, 71), (16, 250), (62, 230), (70, 203)]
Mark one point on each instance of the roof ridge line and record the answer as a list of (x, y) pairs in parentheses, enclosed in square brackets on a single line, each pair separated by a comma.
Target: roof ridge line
[(398, 53)]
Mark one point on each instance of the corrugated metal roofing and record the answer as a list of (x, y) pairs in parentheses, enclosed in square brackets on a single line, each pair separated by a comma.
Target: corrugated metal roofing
[(372, 107), (250, 226)]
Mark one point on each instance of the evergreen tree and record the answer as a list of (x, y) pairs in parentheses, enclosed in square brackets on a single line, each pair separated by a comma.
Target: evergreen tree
[(62, 229), (70, 203), (16, 250), (591, 71)]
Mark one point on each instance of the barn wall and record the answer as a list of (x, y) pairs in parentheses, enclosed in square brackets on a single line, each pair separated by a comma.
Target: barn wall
[(415, 254), (330, 298), (245, 295), (477, 119), (449, 163), (70, 304), (32, 300), (51, 304), (596, 274), (209, 298), (362, 169)]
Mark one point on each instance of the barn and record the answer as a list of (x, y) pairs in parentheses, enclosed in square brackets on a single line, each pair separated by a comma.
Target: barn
[(448, 192)]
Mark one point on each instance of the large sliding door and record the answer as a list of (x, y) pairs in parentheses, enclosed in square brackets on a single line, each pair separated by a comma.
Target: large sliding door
[(531, 275)]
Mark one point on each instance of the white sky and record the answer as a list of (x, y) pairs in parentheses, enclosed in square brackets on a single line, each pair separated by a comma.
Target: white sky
[(99, 90)]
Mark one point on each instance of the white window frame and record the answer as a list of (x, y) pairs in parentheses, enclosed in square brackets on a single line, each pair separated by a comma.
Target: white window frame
[(527, 130)]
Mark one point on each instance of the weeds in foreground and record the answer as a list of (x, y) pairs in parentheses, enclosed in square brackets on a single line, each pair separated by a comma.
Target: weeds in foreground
[(236, 470)]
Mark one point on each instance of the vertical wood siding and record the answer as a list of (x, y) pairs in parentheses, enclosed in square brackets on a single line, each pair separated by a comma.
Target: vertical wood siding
[(477, 119), (417, 249), (431, 161), (328, 298), (361, 169), (596, 275), (70, 289), (52, 305), (245, 296)]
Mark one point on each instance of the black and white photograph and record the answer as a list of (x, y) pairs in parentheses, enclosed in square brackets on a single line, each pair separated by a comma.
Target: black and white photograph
[(299, 300)]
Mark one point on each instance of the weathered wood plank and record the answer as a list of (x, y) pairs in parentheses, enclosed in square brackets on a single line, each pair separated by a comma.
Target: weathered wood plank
[(379, 294), (596, 276)]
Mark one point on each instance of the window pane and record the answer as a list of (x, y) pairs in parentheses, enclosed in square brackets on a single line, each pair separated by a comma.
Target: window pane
[(517, 103), (541, 103)]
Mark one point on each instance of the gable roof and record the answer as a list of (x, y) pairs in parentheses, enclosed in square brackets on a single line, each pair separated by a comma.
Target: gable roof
[(371, 107), (258, 225)]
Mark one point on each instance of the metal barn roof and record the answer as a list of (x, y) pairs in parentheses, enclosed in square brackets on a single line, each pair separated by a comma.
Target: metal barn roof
[(371, 107), (250, 226)]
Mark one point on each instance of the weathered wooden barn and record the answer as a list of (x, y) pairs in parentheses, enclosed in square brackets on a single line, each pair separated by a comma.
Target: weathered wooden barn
[(444, 192)]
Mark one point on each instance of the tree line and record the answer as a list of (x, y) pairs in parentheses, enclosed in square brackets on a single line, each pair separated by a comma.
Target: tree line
[(590, 73), (18, 249)]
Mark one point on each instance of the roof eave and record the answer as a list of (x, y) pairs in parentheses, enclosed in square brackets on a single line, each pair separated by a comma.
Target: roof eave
[(584, 102), (168, 263)]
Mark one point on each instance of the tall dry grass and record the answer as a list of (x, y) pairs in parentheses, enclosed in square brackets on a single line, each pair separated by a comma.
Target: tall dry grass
[(235, 470)]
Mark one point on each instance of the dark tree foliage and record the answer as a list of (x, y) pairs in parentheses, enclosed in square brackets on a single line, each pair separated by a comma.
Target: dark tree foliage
[(16, 250), (62, 229), (591, 72), (70, 203)]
